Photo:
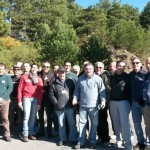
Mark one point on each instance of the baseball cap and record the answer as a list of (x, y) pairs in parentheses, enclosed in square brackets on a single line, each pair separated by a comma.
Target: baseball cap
[(61, 69)]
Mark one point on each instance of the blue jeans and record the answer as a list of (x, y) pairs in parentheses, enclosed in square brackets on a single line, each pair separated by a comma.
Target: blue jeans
[(83, 116), (120, 116), (30, 111), (62, 114), (137, 114)]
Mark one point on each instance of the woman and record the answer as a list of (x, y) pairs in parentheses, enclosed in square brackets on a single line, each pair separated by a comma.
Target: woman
[(29, 100)]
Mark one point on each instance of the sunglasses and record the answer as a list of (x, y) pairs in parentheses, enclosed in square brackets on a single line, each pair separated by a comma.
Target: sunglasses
[(17, 69), (135, 63), (99, 67), (46, 66)]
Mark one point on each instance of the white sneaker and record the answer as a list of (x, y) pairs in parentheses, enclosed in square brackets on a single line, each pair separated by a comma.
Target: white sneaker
[(118, 144)]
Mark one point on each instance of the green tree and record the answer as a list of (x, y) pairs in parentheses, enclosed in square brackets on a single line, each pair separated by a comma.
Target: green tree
[(26, 15), (24, 53), (60, 44), (145, 17), (4, 25), (129, 36), (94, 51)]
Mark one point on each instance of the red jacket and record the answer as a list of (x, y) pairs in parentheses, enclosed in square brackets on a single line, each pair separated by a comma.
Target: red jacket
[(27, 89)]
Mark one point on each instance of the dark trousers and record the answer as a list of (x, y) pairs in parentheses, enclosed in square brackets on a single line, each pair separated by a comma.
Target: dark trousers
[(15, 116), (102, 128), (51, 118), (4, 110)]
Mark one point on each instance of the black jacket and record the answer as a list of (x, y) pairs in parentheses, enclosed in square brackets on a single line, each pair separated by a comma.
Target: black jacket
[(61, 94), (15, 81), (120, 87), (137, 84)]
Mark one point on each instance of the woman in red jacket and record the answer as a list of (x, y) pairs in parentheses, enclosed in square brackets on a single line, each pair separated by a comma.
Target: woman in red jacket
[(29, 99)]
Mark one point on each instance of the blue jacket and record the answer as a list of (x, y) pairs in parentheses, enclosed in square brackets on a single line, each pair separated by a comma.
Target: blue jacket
[(90, 91), (146, 90), (136, 84)]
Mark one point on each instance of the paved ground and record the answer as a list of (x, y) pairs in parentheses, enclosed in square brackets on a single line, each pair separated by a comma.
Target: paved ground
[(47, 144)]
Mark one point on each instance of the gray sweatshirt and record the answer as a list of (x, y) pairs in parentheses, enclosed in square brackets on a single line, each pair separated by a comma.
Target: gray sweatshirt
[(90, 91)]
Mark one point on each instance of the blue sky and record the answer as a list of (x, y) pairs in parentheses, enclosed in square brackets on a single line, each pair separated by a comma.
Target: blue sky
[(140, 4)]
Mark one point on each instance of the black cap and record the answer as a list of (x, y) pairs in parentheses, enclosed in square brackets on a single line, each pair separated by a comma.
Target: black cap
[(61, 69)]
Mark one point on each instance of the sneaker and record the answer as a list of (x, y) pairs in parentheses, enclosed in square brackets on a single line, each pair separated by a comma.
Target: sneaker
[(31, 137), (7, 138), (139, 146), (60, 143), (92, 146), (118, 144), (25, 139)]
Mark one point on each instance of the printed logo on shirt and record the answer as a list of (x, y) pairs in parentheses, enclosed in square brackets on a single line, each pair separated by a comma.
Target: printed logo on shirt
[(3, 81)]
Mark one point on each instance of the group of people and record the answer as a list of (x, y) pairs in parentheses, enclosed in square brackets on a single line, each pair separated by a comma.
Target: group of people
[(91, 92)]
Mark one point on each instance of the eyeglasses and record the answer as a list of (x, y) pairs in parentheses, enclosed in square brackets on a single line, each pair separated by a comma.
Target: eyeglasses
[(99, 67), (46, 66), (133, 63)]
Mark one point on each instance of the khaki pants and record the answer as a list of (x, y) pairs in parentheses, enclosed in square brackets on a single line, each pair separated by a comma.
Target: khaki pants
[(4, 110)]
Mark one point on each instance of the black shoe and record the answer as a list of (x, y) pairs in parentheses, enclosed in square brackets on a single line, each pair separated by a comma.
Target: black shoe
[(139, 146), (60, 143), (92, 146), (40, 134)]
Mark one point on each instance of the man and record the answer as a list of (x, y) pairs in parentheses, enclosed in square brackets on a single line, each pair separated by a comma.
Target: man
[(61, 95), (55, 73), (69, 74), (6, 87), (112, 67), (120, 106), (76, 69), (46, 104), (55, 119), (29, 100), (89, 93), (73, 76), (137, 77), (146, 98), (14, 110), (102, 129)]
